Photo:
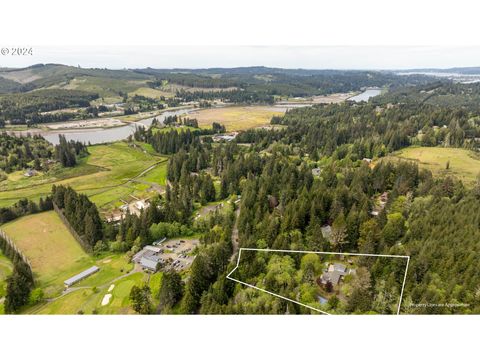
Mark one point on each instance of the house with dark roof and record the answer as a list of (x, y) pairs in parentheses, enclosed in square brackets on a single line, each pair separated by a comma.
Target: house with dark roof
[(334, 274)]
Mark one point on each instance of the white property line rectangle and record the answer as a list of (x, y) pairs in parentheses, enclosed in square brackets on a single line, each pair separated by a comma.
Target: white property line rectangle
[(316, 252)]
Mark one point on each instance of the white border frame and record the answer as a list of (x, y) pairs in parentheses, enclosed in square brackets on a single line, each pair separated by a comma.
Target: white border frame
[(316, 252)]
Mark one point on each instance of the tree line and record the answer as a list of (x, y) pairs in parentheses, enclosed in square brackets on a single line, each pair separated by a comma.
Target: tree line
[(81, 213)]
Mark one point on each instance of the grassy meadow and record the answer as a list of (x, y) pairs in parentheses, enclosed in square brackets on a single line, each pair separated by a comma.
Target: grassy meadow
[(53, 252), (56, 256), (463, 164), (236, 117), (151, 93)]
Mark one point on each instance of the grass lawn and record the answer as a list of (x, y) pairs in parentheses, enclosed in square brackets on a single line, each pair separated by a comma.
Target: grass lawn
[(155, 283), (178, 129), (103, 176), (111, 268), (53, 252), (464, 164), (89, 300), (120, 302), (6, 268), (237, 117), (157, 175)]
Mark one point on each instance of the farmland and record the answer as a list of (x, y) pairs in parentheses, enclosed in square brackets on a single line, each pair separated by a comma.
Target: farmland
[(53, 252), (237, 117), (56, 256), (104, 176), (151, 93), (463, 164), (157, 175)]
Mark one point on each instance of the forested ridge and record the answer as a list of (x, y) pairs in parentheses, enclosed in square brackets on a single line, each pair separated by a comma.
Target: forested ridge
[(286, 82), (22, 108)]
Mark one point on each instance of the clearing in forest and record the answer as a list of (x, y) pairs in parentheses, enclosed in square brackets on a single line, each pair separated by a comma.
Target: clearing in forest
[(52, 251), (462, 163), (237, 117)]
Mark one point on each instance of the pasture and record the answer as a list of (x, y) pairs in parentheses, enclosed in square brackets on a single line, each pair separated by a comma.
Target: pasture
[(151, 93), (104, 176), (158, 175), (464, 164), (237, 117), (53, 252)]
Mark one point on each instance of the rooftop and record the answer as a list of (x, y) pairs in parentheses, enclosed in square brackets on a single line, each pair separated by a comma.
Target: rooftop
[(82, 275)]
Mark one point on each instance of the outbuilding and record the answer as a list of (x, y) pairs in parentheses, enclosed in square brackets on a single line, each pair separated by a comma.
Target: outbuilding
[(81, 276)]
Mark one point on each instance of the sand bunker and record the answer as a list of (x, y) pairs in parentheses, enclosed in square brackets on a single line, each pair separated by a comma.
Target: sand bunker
[(106, 299)]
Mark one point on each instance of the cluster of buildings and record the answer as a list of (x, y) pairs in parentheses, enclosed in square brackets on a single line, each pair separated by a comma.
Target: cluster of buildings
[(149, 258), (134, 208)]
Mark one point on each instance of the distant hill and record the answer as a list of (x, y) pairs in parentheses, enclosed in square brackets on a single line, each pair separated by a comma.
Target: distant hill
[(61, 76), (255, 79)]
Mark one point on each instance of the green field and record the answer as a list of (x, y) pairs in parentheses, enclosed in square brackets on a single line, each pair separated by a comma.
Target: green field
[(464, 164), (56, 256), (155, 283), (104, 176), (151, 93), (237, 117), (89, 300), (53, 252), (157, 175)]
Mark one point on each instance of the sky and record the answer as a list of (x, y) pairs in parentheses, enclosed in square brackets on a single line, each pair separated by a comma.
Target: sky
[(307, 57)]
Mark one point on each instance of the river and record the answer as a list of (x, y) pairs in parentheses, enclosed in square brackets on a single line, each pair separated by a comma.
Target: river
[(99, 135), (367, 94)]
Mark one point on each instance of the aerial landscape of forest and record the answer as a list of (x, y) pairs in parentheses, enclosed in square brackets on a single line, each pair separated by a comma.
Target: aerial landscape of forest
[(248, 190)]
